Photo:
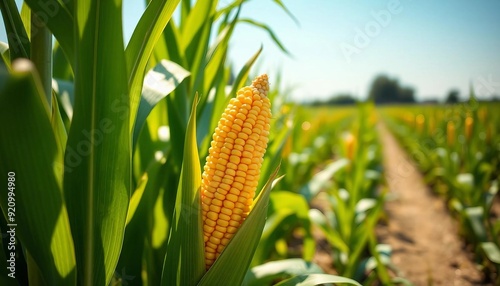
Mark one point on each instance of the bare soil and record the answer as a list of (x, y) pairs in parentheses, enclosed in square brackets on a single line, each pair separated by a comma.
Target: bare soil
[(424, 237)]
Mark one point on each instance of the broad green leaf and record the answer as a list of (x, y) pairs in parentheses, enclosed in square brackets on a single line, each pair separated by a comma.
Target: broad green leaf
[(272, 234), (239, 252), (5, 54), (316, 279), (18, 39), (169, 46), (26, 18), (61, 66), (490, 195), (143, 184), (474, 216), (196, 19), (217, 54), (267, 273), (332, 236), (184, 261), (34, 161), (97, 179), (141, 248), (275, 148), (58, 126), (381, 258), (211, 110), (283, 201), (492, 251), (360, 236), (147, 32), (218, 104), (158, 83), (66, 92), (322, 179)]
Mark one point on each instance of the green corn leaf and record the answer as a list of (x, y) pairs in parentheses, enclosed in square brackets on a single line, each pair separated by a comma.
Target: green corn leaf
[(492, 251), (221, 101), (283, 201), (141, 45), (60, 22), (61, 66), (216, 56), (275, 148), (359, 239), (97, 179), (29, 148), (332, 236), (159, 82), (239, 252), (26, 18), (267, 273), (146, 182), (316, 279), (269, 31), (322, 179), (271, 234), (196, 19), (243, 74), (184, 261), (5, 54), (139, 249), (65, 91), (474, 217), (226, 9), (18, 39), (280, 3), (195, 41)]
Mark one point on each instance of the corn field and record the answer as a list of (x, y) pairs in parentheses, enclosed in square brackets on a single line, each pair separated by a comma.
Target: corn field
[(160, 162)]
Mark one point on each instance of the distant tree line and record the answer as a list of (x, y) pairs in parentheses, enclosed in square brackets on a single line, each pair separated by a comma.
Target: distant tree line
[(386, 90), (340, 99)]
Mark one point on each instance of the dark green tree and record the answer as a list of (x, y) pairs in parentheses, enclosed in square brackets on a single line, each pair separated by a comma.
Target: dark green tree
[(453, 96), (387, 90)]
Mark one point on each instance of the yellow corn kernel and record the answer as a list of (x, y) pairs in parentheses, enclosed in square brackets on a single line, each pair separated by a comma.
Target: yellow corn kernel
[(232, 169), (450, 133)]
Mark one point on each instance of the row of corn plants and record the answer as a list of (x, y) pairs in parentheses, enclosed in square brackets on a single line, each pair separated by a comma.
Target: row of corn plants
[(457, 148), (102, 146), (337, 188)]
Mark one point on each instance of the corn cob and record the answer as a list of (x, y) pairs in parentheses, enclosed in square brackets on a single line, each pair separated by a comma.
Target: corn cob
[(350, 145), (232, 169)]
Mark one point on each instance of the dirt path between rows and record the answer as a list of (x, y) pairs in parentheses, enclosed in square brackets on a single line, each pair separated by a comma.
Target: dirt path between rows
[(423, 236)]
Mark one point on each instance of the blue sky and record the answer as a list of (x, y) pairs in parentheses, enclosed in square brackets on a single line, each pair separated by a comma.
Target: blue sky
[(340, 46)]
